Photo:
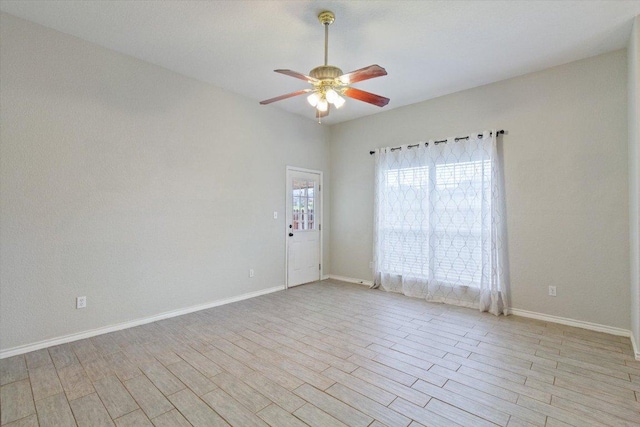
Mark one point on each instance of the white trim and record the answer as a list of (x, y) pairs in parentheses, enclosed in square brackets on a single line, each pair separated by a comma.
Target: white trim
[(320, 222), (295, 168), (325, 277), (351, 280), (636, 349), (571, 322), (579, 324), (124, 325)]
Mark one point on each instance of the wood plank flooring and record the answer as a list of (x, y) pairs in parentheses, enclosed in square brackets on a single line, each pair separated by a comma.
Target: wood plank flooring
[(329, 354)]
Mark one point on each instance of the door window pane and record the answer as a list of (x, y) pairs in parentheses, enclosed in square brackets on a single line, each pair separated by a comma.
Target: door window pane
[(303, 198)]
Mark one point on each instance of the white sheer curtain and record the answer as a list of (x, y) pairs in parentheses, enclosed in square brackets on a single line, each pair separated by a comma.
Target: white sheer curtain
[(438, 222)]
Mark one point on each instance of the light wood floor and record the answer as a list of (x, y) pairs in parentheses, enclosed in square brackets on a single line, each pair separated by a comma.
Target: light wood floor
[(329, 354)]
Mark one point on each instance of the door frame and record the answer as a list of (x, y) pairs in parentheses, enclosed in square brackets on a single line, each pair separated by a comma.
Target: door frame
[(318, 215)]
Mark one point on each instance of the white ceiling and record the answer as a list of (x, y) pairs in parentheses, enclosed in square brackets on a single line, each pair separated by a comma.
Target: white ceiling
[(429, 48)]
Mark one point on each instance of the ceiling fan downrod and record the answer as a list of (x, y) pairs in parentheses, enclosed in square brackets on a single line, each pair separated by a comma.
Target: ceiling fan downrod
[(326, 72), (326, 18)]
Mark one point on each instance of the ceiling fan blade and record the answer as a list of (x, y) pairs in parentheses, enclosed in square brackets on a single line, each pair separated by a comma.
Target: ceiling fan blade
[(289, 95), (365, 73), (297, 75), (369, 97)]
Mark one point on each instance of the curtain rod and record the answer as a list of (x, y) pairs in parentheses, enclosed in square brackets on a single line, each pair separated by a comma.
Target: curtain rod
[(498, 132)]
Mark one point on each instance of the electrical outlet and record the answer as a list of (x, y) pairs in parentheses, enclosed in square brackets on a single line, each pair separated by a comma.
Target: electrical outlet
[(251, 272), (370, 264), (275, 215), (81, 302), (552, 291)]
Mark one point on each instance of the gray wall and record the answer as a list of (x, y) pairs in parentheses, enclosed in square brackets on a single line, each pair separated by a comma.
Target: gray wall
[(634, 175), (142, 189), (565, 162)]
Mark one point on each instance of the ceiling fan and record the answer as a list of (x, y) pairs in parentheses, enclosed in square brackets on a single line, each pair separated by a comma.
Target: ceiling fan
[(329, 83)]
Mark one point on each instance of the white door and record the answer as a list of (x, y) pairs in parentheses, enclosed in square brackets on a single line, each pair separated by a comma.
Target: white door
[(303, 226)]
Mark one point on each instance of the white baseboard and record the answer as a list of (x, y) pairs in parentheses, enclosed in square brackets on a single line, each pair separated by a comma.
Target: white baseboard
[(636, 349), (579, 324), (124, 325), (571, 322), (325, 277), (351, 280)]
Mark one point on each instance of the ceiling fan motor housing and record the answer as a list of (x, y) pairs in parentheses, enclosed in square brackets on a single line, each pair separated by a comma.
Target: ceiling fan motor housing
[(325, 72)]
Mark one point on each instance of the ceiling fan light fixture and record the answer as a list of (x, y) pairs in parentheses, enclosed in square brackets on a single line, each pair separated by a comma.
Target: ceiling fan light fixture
[(332, 96), (339, 101), (323, 105), (313, 99)]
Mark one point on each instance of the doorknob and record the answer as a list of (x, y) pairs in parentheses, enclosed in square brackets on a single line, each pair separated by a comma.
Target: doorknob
[(290, 234)]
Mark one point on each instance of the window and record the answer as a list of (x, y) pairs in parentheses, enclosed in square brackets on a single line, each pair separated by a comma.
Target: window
[(439, 222), (303, 198), (458, 228), (432, 222), (406, 225)]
